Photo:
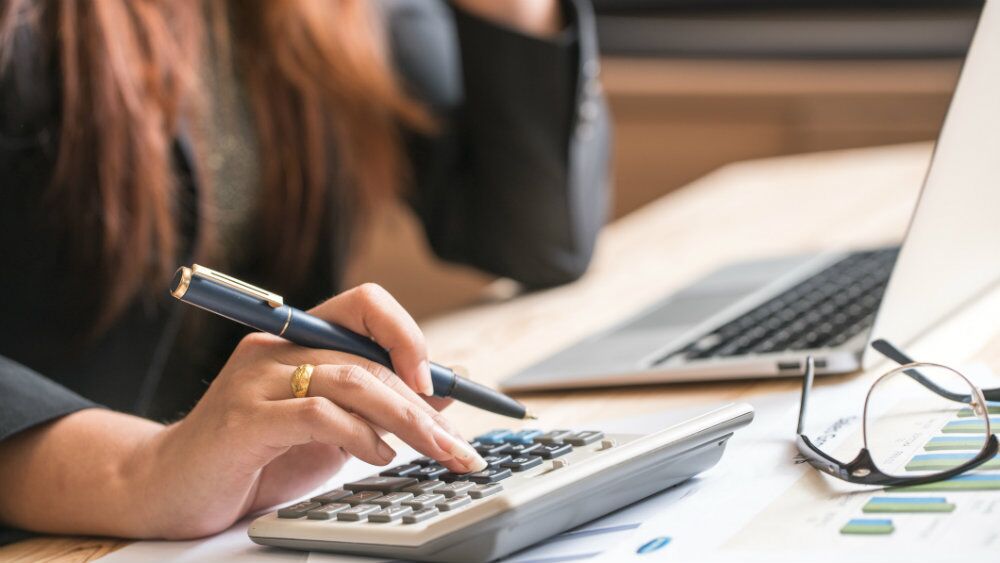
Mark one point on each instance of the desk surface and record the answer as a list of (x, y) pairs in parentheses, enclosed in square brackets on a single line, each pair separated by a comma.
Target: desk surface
[(764, 207)]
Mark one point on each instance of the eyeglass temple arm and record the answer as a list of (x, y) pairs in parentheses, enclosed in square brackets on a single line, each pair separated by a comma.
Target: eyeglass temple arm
[(807, 383), (885, 348)]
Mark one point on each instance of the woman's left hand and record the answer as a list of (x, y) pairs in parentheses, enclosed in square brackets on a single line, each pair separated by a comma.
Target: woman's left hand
[(542, 18)]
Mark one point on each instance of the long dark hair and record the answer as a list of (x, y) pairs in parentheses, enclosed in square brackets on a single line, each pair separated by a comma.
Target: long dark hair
[(317, 75)]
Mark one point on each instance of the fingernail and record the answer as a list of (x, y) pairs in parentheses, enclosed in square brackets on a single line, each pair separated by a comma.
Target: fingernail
[(427, 386), (459, 449), (387, 453)]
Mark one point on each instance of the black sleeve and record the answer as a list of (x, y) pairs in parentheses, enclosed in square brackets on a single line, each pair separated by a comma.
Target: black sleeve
[(28, 399), (515, 182)]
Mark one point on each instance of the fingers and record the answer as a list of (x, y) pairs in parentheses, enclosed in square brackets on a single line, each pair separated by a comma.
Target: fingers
[(359, 391), (438, 403), (372, 311), (310, 419), (292, 355)]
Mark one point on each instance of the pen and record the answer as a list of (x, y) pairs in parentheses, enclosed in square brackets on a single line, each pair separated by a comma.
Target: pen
[(267, 312)]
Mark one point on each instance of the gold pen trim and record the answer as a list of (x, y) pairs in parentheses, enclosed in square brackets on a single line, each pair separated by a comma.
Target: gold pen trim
[(183, 284), (272, 299), (288, 321)]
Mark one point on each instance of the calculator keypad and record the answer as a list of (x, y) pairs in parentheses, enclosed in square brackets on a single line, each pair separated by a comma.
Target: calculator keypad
[(522, 463), (380, 483), (552, 451), (424, 501), (455, 489), (423, 489), (357, 513), (454, 502), (490, 475)]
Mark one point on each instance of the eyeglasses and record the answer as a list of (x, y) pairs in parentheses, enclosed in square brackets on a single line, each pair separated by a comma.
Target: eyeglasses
[(904, 406)]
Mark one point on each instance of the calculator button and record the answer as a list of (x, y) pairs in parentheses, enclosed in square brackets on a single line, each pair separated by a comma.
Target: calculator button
[(327, 511), (549, 451), (493, 436), (390, 514), (455, 489), (490, 475), (553, 436), (522, 463), (429, 472), (424, 501), (482, 491), (493, 449), (494, 460), (584, 438), (451, 477), (517, 450), (357, 513), (380, 483), (524, 436), (424, 461), (400, 470), (361, 498), (424, 487), (331, 496), (420, 515), (392, 499), (453, 503), (297, 510)]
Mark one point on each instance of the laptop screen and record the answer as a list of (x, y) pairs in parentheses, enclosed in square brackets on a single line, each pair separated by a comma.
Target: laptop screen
[(951, 254)]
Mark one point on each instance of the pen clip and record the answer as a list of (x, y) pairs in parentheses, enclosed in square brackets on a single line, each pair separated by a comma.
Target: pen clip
[(272, 299)]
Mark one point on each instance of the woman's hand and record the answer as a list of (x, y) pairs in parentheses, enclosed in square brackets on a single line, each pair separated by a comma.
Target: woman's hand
[(536, 17), (249, 444)]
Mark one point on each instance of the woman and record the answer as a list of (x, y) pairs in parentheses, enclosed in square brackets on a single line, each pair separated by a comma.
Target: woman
[(136, 135)]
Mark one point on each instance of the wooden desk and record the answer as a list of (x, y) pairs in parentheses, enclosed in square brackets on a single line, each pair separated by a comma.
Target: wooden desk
[(749, 209)]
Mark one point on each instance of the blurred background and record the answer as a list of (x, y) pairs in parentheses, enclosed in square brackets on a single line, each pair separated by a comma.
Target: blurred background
[(695, 84)]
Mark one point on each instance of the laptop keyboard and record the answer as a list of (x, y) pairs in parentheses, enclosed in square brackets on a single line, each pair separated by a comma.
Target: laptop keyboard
[(825, 310)]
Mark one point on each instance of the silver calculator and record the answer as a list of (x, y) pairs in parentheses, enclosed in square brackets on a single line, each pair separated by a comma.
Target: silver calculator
[(537, 484)]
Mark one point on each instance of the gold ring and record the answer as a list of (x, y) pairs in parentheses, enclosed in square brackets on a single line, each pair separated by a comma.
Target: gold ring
[(300, 380)]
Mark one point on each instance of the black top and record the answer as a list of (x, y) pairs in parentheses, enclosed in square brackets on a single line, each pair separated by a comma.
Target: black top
[(514, 183)]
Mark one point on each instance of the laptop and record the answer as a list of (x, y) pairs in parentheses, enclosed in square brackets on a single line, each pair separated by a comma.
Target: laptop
[(762, 318)]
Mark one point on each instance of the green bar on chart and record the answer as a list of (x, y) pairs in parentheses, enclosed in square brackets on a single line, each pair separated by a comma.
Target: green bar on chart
[(943, 462), (992, 407), (868, 526), (938, 443), (973, 482), (969, 425), (902, 504)]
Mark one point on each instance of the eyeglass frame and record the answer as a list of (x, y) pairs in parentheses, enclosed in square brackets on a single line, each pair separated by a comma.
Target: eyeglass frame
[(862, 469)]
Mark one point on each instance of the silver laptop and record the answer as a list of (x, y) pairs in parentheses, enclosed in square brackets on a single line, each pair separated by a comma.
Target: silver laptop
[(762, 318)]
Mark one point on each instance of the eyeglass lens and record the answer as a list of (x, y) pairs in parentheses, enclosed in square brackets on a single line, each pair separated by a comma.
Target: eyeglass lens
[(911, 430)]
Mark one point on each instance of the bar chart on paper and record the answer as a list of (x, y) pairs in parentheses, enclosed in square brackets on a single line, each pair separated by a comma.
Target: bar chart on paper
[(838, 516)]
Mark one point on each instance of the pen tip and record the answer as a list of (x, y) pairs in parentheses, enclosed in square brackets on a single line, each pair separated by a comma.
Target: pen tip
[(528, 415)]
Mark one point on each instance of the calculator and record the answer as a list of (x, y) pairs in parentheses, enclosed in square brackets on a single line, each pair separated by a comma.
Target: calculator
[(537, 484)]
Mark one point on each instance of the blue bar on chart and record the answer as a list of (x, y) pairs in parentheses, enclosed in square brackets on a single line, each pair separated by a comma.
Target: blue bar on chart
[(868, 527), (992, 407), (942, 462), (955, 442), (970, 482), (652, 545), (969, 425), (901, 504)]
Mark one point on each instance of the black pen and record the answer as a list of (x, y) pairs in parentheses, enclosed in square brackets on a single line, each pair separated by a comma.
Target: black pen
[(265, 311)]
